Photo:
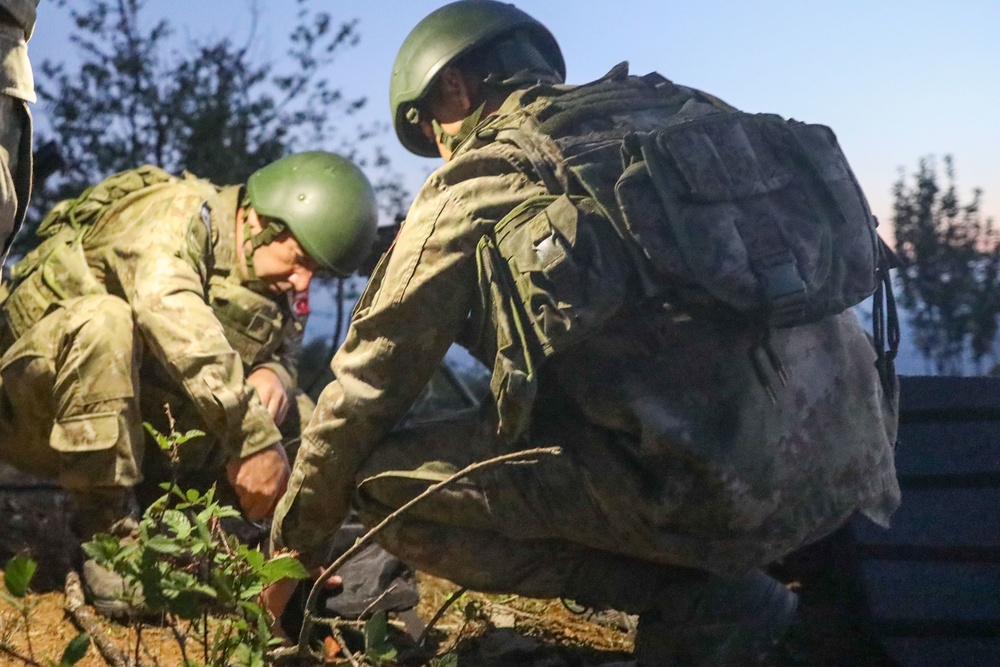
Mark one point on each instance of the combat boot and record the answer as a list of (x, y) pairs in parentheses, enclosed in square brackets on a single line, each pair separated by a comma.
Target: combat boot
[(730, 623), (112, 512)]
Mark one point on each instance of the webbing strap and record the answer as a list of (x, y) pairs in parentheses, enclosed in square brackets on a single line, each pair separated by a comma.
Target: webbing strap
[(253, 241), (885, 322)]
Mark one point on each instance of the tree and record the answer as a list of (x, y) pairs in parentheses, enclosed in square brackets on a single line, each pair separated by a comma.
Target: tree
[(950, 277), (138, 96)]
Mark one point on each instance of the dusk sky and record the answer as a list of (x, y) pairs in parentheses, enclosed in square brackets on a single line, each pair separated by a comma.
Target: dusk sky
[(895, 80)]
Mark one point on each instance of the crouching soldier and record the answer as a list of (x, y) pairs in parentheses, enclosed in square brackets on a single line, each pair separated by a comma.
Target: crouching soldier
[(150, 290), (661, 286)]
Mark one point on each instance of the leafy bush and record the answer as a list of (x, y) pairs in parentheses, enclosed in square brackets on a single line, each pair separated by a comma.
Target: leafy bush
[(181, 565)]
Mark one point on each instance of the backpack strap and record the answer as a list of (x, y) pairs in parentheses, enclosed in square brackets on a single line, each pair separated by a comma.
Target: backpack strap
[(885, 320)]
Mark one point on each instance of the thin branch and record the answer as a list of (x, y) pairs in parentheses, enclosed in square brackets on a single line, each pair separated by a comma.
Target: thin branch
[(452, 599), (309, 619), (86, 621), (339, 636), (17, 656), (374, 603)]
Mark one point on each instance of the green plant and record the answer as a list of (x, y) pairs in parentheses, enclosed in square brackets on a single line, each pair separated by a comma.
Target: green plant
[(18, 573), (203, 581), (378, 650)]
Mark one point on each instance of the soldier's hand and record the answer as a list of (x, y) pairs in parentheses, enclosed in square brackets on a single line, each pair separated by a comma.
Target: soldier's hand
[(259, 480), (275, 598), (272, 393)]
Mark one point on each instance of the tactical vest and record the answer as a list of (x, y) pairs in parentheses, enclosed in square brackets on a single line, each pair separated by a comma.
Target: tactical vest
[(662, 194), (255, 324)]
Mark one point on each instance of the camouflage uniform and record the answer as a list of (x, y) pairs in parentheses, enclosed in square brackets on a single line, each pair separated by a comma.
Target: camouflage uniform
[(672, 451), (144, 307), (17, 88)]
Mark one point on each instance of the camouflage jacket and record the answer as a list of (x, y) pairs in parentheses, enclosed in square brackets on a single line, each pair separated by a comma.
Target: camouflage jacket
[(169, 250), (16, 78), (682, 389)]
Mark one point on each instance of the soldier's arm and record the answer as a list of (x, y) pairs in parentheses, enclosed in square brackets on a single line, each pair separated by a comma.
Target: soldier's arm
[(404, 323), (165, 284)]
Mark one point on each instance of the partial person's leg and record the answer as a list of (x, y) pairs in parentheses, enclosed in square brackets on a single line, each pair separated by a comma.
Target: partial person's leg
[(10, 140), (15, 166), (69, 399), (69, 405), (467, 533)]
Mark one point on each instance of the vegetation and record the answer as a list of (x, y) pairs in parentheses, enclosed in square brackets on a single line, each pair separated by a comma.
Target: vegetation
[(183, 567), (18, 573), (950, 278)]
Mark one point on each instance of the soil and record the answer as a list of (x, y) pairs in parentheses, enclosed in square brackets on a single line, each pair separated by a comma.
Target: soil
[(483, 630)]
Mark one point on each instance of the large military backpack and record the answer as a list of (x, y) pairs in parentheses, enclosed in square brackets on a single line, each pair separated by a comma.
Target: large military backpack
[(725, 214), (56, 268)]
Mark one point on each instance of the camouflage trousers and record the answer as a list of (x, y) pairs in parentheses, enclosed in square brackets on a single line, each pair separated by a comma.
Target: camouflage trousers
[(74, 394), (68, 396), (561, 526)]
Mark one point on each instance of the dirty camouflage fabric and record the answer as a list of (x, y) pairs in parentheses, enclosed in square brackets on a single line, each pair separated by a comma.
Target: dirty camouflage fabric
[(124, 315), (17, 88), (673, 451)]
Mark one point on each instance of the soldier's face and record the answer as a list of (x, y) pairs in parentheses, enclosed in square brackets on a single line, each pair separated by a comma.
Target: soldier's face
[(282, 264), (449, 102)]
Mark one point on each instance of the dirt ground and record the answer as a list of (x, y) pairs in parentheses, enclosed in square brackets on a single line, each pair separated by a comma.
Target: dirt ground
[(488, 631)]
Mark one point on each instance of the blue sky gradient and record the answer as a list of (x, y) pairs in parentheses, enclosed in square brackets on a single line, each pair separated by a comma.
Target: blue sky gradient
[(895, 80)]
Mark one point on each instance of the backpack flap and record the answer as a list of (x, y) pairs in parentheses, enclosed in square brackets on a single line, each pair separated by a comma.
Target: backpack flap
[(753, 214)]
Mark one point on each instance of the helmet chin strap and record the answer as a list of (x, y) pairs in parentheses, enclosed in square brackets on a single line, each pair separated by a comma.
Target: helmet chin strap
[(464, 131), (253, 241)]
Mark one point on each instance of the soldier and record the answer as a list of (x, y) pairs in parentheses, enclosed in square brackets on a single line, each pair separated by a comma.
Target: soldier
[(17, 88), (150, 290), (685, 467)]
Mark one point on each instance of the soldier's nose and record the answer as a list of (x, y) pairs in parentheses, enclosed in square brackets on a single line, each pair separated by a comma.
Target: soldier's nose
[(300, 279)]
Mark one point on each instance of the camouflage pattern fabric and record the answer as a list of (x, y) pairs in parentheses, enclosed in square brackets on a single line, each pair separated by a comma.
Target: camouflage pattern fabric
[(17, 88), (134, 324), (673, 451)]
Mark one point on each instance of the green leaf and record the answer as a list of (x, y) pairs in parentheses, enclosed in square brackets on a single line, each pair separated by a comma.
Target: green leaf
[(282, 567), (377, 637), (164, 545), (162, 441), (255, 558), (75, 650), (178, 523), (446, 660), (102, 548), (18, 573)]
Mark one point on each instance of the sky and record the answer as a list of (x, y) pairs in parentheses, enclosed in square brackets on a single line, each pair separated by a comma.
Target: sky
[(897, 81)]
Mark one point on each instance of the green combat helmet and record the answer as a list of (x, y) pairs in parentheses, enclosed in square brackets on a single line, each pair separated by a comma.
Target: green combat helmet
[(448, 33), (324, 200)]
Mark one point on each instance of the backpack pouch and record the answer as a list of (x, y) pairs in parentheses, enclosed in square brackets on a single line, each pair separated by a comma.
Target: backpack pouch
[(760, 212), (568, 265)]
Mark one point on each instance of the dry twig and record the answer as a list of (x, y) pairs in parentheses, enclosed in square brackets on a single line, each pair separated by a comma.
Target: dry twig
[(7, 650), (439, 613), (87, 621), (309, 619)]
